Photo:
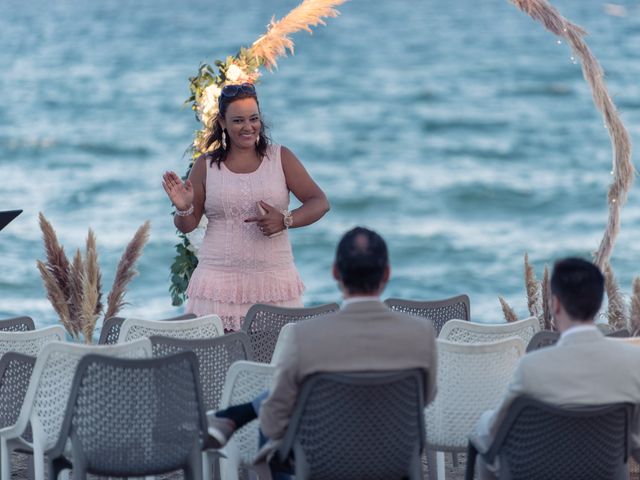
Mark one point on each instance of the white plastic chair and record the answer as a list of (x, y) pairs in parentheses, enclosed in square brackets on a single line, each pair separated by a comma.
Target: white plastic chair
[(458, 331), (30, 342), (201, 327), (46, 399), (245, 381), (277, 351), (472, 378)]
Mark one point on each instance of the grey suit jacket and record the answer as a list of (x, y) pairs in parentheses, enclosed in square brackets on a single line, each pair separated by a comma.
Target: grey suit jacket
[(583, 368), (363, 336)]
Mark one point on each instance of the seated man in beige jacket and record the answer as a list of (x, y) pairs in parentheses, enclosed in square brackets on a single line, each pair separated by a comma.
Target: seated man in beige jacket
[(583, 368), (363, 335)]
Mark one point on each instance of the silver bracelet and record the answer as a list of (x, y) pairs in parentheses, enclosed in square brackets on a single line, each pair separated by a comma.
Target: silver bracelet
[(185, 213)]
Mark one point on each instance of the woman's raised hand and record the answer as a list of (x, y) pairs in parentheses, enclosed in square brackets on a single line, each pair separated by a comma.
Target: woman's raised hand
[(180, 194)]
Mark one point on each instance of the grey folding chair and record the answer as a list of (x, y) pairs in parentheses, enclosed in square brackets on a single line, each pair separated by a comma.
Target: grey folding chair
[(215, 356), (111, 328), (133, 417), (438, 311), (263, 323), (358, 425), (544, 338), (537, 440), (17, 324)]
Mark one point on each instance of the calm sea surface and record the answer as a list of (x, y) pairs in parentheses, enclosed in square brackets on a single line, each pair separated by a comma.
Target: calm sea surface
[(460, 130)]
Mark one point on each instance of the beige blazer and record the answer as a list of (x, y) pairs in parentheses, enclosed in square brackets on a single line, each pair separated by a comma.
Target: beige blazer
[(583, 368), (362, 336)]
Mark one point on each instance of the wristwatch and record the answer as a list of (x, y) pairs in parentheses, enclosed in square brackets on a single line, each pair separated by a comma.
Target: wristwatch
[(288, 218)]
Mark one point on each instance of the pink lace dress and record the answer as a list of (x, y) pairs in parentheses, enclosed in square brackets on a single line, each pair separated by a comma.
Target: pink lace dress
[(237, 265)]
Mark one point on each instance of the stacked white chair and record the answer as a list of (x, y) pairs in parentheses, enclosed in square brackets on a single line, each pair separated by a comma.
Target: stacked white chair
[(472, 378), (245, 381), (201, 327), (459, 331), (47, 396)]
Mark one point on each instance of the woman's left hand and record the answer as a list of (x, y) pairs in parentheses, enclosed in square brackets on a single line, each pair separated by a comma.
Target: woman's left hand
[(269, 223)]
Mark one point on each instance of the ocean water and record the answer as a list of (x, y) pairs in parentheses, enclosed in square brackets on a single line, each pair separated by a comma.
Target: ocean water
[(461, 131)]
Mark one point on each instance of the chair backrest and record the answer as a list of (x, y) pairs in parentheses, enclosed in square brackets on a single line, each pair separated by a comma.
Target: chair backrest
[(277, 351), (30, 342), (622, 333), (438, 311), (459, 331), (263, 323), (215, 357), (357, 425), (201, 327), (569, 443), (472, 378), (17, 324), (15, 373), (245, 381), (158, 422), (544, 338), (50, 384), (111, 327)]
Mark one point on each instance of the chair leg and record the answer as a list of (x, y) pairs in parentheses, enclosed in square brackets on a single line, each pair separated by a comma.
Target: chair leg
[(440, 464), (432, 464), (472, 454)]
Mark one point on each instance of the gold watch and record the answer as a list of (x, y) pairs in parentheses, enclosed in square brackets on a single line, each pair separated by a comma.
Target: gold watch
[(288, 218)]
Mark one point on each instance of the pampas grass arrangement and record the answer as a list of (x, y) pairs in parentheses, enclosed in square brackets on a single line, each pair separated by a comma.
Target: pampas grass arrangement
[(75, 289)]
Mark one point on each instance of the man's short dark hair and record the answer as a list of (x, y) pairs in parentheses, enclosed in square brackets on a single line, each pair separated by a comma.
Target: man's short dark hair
[(579, 285), (361, 260)]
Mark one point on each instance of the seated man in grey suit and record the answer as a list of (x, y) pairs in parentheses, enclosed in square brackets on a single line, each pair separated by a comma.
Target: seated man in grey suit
[(583, 368), (363, 335)]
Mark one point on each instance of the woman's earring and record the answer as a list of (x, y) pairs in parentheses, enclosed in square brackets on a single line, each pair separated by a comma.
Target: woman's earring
[(258, 140), (224, 140)]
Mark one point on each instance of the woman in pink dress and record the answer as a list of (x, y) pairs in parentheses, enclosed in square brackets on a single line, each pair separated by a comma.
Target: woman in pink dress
[(243, 186)]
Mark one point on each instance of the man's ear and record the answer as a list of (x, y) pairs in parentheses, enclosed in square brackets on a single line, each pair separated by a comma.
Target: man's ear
[(335, 273), (386, 274), (556, 306)]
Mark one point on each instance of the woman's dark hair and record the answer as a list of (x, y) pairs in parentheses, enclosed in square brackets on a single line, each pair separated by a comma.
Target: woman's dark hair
[(219, 154), (361, 260), (579, 286)]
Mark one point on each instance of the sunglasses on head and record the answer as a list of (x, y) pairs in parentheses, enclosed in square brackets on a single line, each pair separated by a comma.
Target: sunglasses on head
[(230, 91)]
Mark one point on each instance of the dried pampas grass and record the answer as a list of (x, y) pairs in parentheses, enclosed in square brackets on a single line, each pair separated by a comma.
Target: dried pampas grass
[(534, 300), (634, 317), (509, 314), (617, 309), (276, 41), (56, 296), (623, 172), (126, 270), (75, 290)]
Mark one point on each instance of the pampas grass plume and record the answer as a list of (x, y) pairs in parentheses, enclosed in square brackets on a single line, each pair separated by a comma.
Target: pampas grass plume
[(534, 301), (617, 311), (276, 41), (634, 319), (126, 270), (509, 314)]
